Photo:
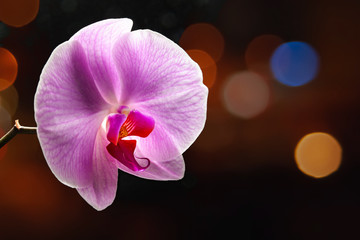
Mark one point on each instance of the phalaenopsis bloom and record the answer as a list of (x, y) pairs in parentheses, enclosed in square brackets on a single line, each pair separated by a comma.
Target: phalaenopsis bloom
[(111, 98)]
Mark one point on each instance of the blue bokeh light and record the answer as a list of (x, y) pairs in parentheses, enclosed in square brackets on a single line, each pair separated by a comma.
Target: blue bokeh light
[(294, 63)]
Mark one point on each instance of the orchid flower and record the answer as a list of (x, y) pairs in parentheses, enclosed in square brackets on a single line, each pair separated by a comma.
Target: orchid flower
[(111, 98)]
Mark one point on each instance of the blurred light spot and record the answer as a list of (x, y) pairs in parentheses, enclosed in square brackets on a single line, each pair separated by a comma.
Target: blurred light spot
[(9, 99), (318, 154), (4, 148), (203, 36), (258, 54), (8, 69), (207, 65), (294, 63), (246, 94), (33, 196), (5, 119), (69, 6), (18, 13)]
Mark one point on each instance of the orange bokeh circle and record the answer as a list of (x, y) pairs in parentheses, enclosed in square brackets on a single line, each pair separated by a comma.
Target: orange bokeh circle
[(8, 69), (318, 154), (203, 36), (207, 65), (17, 13)]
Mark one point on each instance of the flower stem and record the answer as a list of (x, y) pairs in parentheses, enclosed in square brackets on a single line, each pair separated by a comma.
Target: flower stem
[(16, 129)]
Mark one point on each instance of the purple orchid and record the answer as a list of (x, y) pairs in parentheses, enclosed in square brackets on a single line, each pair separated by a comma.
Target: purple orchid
[(112, 99)]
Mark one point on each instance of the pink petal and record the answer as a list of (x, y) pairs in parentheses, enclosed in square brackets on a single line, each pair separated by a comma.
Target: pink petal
[(98, 41), (167, 170), (68, 113), (178, 123), (138, 124), (160, 80), (101, 193), (114, 123), (124, 153)]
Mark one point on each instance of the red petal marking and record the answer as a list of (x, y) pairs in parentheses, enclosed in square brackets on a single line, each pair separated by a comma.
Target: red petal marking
[(124, 153), (138, 124)]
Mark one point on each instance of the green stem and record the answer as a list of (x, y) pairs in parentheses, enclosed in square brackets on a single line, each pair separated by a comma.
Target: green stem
[(16, 129)]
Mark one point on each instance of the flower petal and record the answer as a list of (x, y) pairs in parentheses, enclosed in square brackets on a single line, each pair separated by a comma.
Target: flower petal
[(178, 123), (160, 80), (98, 40), (169, 170), (152, 66), (114, 123), (138, 124), (124, 153), (166, 170), (101, 193), (68, 112)]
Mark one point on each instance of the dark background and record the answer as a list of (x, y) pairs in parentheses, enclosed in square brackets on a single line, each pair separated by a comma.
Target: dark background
[(241, 181)]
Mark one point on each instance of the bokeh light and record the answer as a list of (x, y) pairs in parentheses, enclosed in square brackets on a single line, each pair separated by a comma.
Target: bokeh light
[(258, 54), (18, 13), (203, 36), (294, 63), (207, 65), (8, 68), (9, 99), (246, 94), (31, 188), (318, 154)]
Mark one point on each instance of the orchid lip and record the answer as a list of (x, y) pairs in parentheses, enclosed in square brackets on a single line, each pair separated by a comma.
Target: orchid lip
[(124, 153), (127, 123)]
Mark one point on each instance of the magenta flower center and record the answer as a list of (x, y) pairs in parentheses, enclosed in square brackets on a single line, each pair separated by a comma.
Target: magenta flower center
[(123, 124)]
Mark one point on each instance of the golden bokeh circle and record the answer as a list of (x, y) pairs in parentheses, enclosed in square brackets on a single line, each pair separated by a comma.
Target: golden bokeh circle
[(318, 154)]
